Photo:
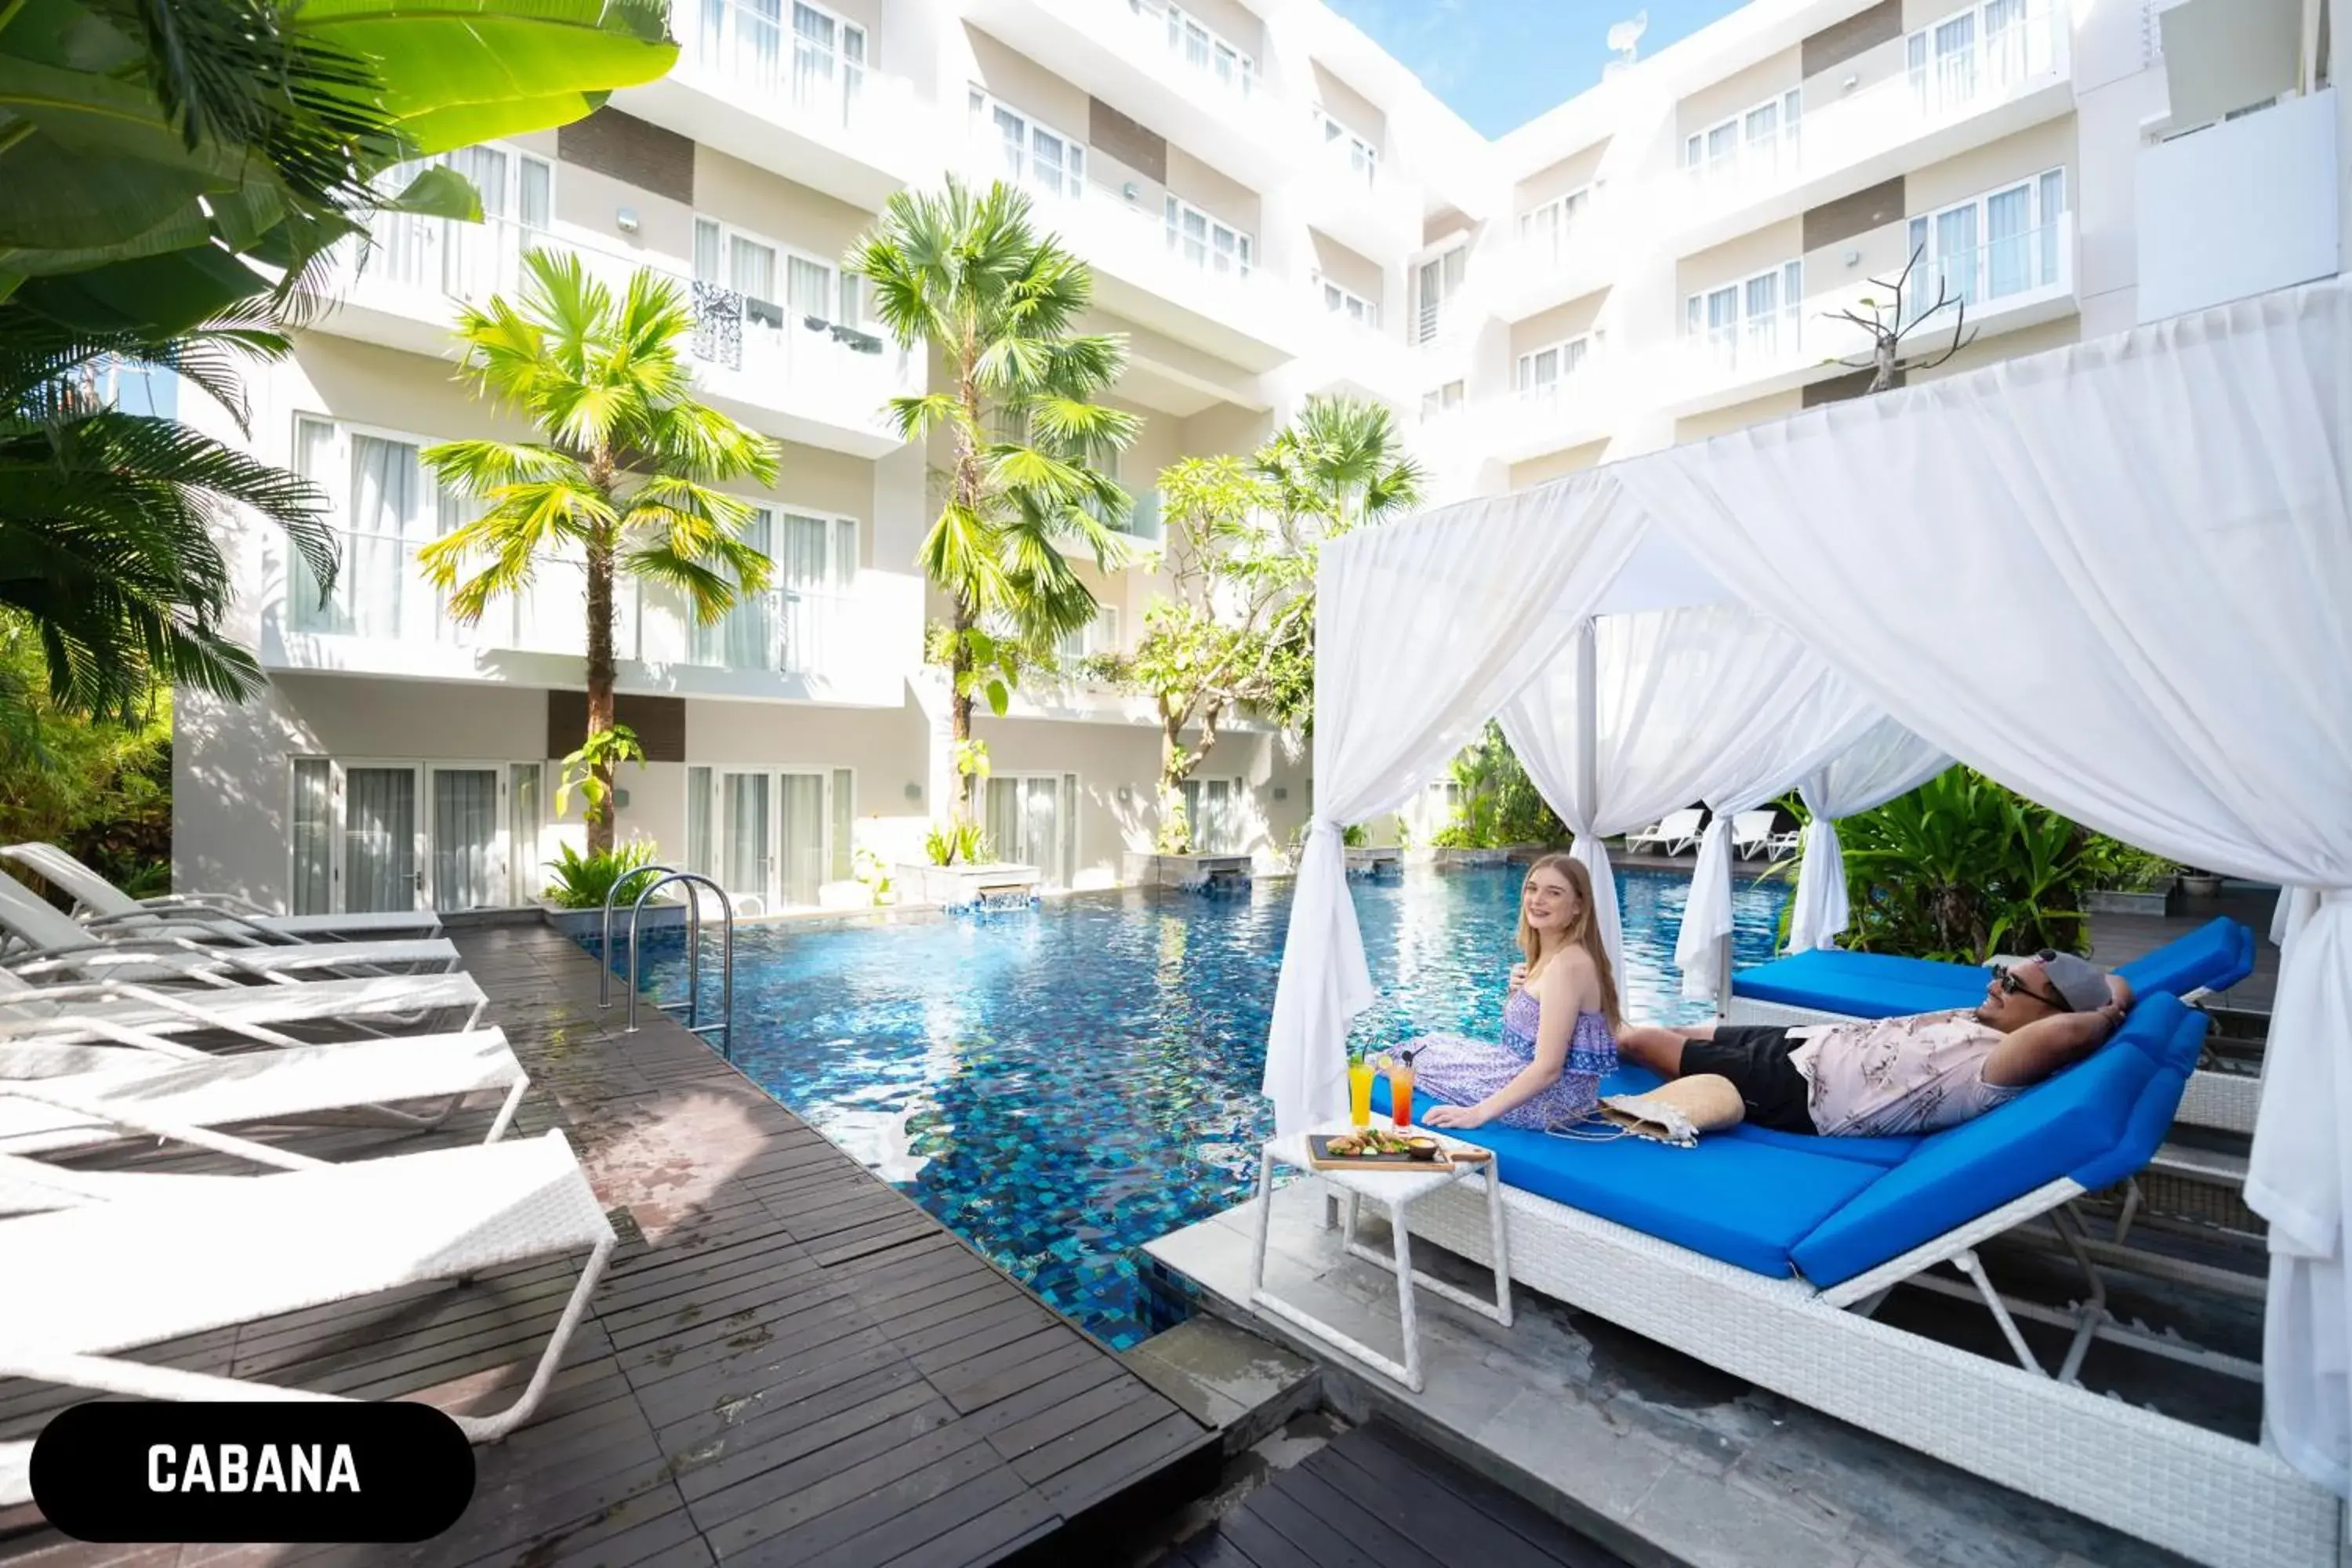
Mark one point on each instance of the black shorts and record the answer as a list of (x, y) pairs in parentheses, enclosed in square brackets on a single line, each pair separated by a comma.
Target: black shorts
[(1755, 1057)]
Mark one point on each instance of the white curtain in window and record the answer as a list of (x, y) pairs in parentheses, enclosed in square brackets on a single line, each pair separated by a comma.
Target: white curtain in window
[(522, 830), (314, 827), (697, 820), (387, 493), (2001, 558), (747, 836), (844, 806), (379, 838), (803, 581), (2009, 242), (746, 636), (804, 840), (1406, 677), (314, 458), (465, 837), (1004, 819), (1887, 761)]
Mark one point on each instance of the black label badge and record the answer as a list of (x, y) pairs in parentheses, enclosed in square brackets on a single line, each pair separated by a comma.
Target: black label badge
[(260, 1471)]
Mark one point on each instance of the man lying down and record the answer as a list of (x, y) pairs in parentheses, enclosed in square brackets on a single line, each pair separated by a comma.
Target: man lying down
[(1876, 1078)]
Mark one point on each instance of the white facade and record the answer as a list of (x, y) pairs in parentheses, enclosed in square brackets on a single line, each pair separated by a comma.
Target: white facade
[(1271, 207)]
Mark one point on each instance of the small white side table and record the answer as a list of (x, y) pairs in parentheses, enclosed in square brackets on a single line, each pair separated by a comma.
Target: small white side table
[(1394, 1190)]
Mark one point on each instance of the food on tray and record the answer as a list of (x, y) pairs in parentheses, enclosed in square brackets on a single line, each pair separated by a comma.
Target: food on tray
[(1421, 1148), (1373, 1142)]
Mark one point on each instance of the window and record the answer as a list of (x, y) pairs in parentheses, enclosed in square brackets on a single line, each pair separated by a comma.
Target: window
[(1215, 810), (828, 58), (1750, 323), (1363, 158), (380, 834), (775, 835), (1032, 154), (1099, 635), (1754, 143), (788, 627), (1438, 280), (464, 260), (1032, 820), (1968, 54), (1199, 47), (2003, 242), (1546, 229), (1541, 371), (778, 284), (1204, 242), (1444, 400), (1347, 302)]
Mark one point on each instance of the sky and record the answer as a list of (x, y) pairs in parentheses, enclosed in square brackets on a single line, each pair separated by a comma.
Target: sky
[(1500, 63)]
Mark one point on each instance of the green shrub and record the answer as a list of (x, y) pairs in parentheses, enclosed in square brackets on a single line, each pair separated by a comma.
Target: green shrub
[(586, 881), (1499, 805), (1960, 870), (950, 842)]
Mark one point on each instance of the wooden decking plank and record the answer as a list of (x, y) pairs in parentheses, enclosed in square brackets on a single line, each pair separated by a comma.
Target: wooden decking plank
[(789, 1495), (908, 1518), (819, 1379), (1418, 1500), (1132, 1459), (738, 1456), (1044, 1396), (1065, 1414), (1005, 1371), (802, 1535), (1372, 1532), (1127, 1416), (1260, 1543)]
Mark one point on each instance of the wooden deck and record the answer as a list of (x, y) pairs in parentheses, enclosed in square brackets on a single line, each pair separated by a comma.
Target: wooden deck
[(1375, 1496), (788, 1362)]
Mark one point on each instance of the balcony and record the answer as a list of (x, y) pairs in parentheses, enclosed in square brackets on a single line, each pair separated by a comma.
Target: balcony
[(799, 377), (803, 107), (2239, 207), (1554, 264), (1178, 83), (853, 645), (1355, 201), (1518, 426), (1360, 357), (1945, 94), (1216, 302), (2012, 281)]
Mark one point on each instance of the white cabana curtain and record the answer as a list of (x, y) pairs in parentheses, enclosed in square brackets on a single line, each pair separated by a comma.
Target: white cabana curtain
[(2116, 578), (1701, 703), (1417, 642), (1887, 761)]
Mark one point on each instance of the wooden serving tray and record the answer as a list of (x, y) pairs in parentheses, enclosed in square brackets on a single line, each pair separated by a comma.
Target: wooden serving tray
[(1319, 1156)]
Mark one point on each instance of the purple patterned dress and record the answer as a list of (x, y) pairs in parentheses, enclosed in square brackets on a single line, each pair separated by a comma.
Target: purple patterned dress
[(1462, 1071)]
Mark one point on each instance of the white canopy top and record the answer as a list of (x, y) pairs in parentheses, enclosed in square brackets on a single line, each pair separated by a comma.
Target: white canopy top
[(2114, 577)]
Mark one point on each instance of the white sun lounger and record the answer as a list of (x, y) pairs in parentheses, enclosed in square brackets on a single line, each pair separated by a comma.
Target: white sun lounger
[(1678, 833), (130, 1014), (219, 916), (174, 1255), (40, 941), (120, 1091)]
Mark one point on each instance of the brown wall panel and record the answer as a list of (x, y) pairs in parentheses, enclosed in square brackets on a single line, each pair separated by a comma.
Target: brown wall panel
[(1141, 150), (1842, 219), (659, 722), (631, 149), (1841, 41)]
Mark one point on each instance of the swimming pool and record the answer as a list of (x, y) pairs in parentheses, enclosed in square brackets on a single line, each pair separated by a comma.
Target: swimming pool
[(1062, 1085)]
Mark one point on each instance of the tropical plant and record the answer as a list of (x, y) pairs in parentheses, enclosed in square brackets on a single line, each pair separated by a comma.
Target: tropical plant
[(147, 150), (109, 553), (1499, 805), (625, 477), (2115, 864), (590, 768), (956, 840), (1960, 870), (100, 790), (968, 275), (586, 881), (870, 871)]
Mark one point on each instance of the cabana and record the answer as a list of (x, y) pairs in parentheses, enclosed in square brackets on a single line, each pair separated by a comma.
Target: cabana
[(2116, 578)]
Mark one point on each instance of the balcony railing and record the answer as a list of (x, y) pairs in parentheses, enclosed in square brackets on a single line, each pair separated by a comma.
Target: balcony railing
[(790, 630), (783, 71), (1758, 345), (1979, 276), (1949, 77)]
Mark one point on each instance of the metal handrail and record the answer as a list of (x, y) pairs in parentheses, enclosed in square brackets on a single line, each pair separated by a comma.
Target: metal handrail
[(605, 980), (695, 882)]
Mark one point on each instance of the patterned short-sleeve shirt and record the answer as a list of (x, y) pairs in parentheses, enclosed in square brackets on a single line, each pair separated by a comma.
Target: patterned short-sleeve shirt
[(1882, 1077)]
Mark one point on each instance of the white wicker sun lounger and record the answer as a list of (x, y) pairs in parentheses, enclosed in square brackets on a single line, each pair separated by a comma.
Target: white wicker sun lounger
[(43, 940), (183, 1254), (122, 1092), (1678, 833), (217, 916), (111, 1010)]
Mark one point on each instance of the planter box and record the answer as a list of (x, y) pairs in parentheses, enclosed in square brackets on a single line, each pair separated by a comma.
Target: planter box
[(963, 886), (2200, 887), (1192, 873), (583, 925), (2114, 902), (1376, 861), (1457, 858)]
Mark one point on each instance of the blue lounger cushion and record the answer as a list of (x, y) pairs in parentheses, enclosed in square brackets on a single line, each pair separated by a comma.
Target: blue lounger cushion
[(2215, 956), (1744, 1202), (2099, 1117)]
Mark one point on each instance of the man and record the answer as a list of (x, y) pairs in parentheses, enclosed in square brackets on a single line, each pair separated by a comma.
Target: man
[(1879, 1077)]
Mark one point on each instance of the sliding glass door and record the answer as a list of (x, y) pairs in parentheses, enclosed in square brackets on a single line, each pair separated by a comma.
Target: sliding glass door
[(777, 834), (380, 848), (1032, 820), (374, 835)]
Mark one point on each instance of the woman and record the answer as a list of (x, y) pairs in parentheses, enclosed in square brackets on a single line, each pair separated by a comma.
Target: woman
[(1559, 1026)]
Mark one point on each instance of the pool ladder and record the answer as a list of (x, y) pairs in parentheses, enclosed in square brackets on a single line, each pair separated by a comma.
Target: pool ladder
[(695, 882)]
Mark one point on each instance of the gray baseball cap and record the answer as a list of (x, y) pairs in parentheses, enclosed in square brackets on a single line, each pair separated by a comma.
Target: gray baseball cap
[(2082, 984)]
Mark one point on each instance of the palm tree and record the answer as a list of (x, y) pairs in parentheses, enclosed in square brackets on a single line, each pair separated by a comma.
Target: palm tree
[(624, 476), (107, 546), (968, 275)]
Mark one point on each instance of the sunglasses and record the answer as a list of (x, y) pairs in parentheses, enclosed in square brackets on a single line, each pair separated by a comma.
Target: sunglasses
[(2012, 986)]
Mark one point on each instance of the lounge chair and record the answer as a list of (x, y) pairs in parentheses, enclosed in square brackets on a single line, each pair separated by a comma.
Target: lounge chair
[(44, 941), (1765, 1255), (221, 916), (1829, 983), (103, 1094), (1753, 836), (159, 1257), (36, 1016), (1678, 832)]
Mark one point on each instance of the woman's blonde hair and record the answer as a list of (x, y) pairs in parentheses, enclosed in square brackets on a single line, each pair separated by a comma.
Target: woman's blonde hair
[(1583, 931)]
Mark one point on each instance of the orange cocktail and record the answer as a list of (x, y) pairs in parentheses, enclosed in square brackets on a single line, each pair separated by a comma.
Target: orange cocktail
[(1360, 1093), (1400, 1092)]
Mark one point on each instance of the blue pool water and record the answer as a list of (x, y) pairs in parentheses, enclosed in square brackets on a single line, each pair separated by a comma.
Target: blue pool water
[(1062, 1085)]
